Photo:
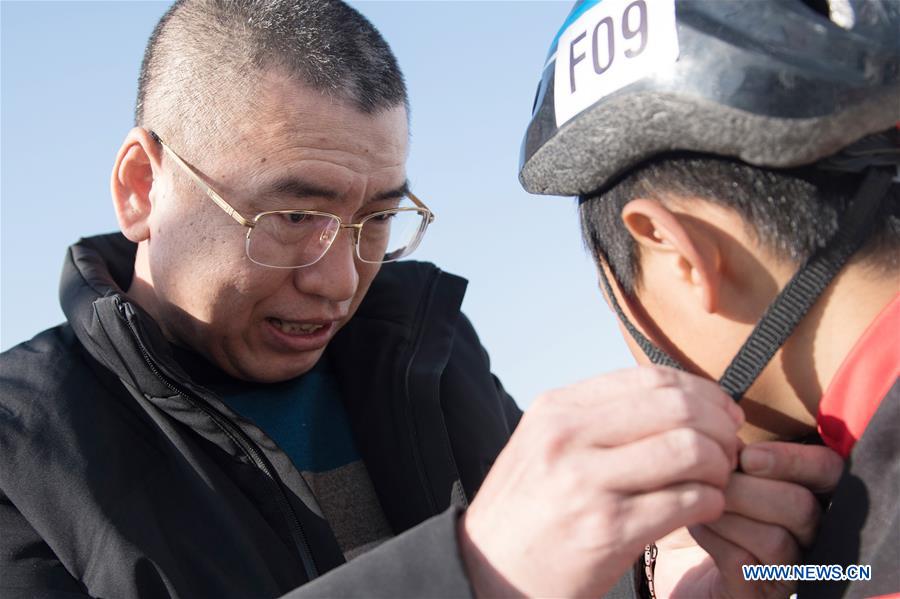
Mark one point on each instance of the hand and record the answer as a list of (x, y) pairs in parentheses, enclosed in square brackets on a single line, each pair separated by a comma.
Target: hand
[(593, 473), (771, 515)]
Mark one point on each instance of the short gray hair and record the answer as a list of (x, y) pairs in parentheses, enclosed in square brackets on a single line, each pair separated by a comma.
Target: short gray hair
[(204, 50)]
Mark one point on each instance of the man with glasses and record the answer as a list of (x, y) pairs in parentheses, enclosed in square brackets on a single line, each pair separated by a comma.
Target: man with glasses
[(246, 395)]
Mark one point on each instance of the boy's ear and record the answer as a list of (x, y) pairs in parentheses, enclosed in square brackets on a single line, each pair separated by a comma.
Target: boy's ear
[(136, 166), (694, 258)]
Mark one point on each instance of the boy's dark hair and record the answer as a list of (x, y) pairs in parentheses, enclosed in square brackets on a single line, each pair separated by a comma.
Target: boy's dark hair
[(790, 212)]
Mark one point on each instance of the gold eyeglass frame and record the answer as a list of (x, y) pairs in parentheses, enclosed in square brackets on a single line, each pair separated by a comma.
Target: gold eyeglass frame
[(356, 228)]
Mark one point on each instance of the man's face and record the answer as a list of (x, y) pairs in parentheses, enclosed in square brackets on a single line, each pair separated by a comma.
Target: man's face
[(252, 321)]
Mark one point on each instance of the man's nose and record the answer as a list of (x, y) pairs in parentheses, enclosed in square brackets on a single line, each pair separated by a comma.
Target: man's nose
[(334, 277)]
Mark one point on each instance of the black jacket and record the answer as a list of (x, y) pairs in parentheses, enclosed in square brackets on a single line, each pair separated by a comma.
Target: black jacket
[(121, 476), (862, 524)]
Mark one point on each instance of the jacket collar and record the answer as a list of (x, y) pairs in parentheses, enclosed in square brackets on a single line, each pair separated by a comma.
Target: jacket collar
[(95, 274)]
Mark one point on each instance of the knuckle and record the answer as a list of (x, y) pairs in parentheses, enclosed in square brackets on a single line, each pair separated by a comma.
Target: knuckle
[(655, 377), (704, 503), (531, 419), (543, 401), (687, 445), (712, 506), (569, 481), (542, 437), (829, 468), (780, 545), (808, 526), (678, 406), (833, 463), (556, 438), (807, 507), (699, 455)]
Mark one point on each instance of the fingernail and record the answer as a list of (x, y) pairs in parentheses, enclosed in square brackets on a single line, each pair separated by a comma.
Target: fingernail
[(737, 413), (756, 461)]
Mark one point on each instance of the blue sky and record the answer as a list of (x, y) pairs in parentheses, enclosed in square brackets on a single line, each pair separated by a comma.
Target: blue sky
[(69, 71)]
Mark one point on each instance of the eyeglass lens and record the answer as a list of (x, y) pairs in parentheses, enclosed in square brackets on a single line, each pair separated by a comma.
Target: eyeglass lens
[(294, 239)]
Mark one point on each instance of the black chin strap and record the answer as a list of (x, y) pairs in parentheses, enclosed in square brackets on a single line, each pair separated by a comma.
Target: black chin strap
[(655, 354), (794, 301), (805, 287)]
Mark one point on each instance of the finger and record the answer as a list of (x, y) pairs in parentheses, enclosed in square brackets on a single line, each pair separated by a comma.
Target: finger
[(783, 504), (637, 417), (816, 467), (728, 557), (636, 412), (649, 516), (673, 457), (633, 382), (767, 543)]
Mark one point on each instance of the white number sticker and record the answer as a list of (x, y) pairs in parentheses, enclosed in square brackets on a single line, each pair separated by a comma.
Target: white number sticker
[(611, 45)]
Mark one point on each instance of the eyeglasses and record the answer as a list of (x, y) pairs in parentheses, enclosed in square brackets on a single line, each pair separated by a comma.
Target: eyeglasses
[(298, 238)]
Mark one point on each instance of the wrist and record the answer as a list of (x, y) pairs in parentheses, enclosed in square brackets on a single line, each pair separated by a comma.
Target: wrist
[(484, 579)]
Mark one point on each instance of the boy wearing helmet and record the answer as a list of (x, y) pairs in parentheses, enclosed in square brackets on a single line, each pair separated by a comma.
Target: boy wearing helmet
[(737, 172)]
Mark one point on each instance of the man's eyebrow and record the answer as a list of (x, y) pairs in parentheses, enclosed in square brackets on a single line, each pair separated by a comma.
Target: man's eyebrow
[(299, 188), (392, 194)]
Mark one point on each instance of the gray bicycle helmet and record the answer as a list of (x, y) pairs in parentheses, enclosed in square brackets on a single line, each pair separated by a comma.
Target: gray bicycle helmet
[(775, 83)]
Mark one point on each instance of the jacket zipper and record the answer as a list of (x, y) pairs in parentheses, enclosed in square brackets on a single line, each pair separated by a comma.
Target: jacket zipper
[(240, 439), (410, 421)]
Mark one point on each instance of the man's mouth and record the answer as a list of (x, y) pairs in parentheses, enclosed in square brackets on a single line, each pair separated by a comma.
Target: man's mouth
[(289, 327)]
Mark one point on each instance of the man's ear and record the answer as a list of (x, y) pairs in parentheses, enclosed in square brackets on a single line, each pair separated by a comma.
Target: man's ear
[(136, 165), (695, 257)]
